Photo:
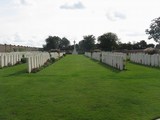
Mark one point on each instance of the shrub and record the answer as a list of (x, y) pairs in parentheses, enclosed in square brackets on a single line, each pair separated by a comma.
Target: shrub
[(23, 60), (18, 62), (9, 64), (35, 70), (48, 62), (53, 60)]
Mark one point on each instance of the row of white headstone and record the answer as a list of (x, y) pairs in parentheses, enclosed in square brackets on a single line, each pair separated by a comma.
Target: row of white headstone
[(88, 54), (37, 60), (96, 56), (10, 59), (116, 60), (113, 59), (146, 59), (56, 55)]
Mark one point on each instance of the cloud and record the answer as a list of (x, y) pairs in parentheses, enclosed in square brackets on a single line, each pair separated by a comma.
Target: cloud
[(78, 5), (23, 2), (17, 38), (135, 34), (115, 15)]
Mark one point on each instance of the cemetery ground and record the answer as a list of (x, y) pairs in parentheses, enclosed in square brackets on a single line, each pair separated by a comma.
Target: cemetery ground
[(78, 88)]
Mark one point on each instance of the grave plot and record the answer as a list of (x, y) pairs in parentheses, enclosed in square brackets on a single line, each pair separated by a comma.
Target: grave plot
[(10, 59), (96, 56), (88, 54), (114, 59), (54, 55), (36, 60), (146, 59)]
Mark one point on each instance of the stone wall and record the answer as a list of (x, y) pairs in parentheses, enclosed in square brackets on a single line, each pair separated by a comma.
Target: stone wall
[(15, 48)]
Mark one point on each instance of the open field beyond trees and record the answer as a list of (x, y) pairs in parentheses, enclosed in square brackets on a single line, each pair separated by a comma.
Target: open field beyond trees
[(78, 88)]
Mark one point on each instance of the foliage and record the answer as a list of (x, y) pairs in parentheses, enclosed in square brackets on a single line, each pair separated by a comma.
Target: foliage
[(125, 46), (140, 45), (53, 60), (18, 62), (108, 41), (135, 46), (88, 43), (150, 46), (64, 43), (154, 30), (35, 70), (55, 42), (46, 64), (52, 43), (24, 60), (9, 65)]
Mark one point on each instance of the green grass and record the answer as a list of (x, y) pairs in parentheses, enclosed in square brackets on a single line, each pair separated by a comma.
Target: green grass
[(78, 88)]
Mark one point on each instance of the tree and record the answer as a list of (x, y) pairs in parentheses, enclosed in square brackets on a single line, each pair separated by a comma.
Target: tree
[(88, 43), (108, 41), (52, 43), (142, 44), (64, 43), (82, 46), (125, 46), (151, 45), (154, 30)]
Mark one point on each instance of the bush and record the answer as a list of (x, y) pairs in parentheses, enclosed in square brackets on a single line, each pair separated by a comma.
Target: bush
[(9, 64), (53, 60), (24, 60), (48, 62), (18, 62), (35, 70)]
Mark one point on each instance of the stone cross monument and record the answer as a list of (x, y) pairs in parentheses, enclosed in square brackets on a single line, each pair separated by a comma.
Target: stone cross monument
[(74, 51)]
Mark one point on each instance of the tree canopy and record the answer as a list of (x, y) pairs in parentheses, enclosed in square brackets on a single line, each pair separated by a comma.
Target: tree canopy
[(88, 43), (64, 43), (108, 41), (154, 30), (55, 42)]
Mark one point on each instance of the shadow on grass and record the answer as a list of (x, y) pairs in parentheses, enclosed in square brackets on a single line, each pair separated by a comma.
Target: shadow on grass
[(106, 66), (17, 73), (147, 66)]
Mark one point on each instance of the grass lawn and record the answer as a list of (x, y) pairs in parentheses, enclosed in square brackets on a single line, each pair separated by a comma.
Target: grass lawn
[(78, 88)]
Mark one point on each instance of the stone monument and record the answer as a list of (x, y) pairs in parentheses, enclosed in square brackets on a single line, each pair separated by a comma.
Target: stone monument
[(75, 51)]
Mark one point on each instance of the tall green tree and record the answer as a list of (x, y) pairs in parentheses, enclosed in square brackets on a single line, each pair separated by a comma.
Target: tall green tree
[(88, 43), (142, 44), (108, 41), (125, 46), (64, 43), (154, 30), (52, 43)]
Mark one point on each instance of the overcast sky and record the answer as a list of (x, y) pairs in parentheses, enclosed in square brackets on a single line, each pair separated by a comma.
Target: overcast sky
[(30, 22)]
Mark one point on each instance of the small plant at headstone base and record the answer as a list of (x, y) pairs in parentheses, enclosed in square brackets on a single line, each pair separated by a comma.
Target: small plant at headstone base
[(64, 55), (18, 62), (35, 70), (128, 57), (101, 57), (9, 64), (47, 63), (24, 60), (53, 60)]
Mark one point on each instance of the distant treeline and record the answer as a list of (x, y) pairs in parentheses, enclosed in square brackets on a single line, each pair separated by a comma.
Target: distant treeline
[(106, 42)]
